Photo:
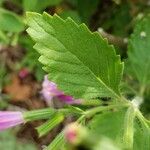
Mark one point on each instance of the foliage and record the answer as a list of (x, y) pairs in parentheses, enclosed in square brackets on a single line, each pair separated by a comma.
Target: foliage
[(113, 99), (65, 49), (86, 9), (72, 53), (138, 51), (8, 18), (38, 5)]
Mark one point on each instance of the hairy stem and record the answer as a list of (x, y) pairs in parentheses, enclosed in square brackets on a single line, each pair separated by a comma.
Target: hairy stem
[(95, 110), (129, 128)]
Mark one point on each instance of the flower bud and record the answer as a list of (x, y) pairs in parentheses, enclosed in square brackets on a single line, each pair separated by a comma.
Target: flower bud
[(75, 134), (9, 119)]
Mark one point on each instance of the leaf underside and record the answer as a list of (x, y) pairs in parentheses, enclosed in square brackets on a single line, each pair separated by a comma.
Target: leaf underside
[(111, 125), (80, 62)]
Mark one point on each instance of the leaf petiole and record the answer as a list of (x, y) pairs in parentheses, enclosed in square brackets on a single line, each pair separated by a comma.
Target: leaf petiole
[(95, 110)]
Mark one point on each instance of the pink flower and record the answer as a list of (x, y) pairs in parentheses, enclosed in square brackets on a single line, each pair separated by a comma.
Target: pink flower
[(9, 119), (75, 133), (50, 90)]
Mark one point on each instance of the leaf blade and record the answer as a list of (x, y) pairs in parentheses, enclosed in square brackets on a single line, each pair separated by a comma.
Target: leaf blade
[(76, 70)]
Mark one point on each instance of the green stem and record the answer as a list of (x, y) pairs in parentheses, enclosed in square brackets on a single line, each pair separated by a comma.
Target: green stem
[(129, 128), (92, 102), (145, 130), (95, 110), (38, 114), (142, 119), (81, 119), (65, 111), (142, 90)]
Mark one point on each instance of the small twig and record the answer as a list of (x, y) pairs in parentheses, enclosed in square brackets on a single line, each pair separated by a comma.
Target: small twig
[(118, 41)]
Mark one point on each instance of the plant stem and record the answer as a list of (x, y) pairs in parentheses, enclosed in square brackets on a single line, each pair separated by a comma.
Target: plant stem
[(92, 102), (142, 119), (95, 110), (142, 90), (38, 114), (129, 128)]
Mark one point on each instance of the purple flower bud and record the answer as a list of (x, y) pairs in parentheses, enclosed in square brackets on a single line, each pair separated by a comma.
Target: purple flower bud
[(23, 73), (9, 119), (50, 90)]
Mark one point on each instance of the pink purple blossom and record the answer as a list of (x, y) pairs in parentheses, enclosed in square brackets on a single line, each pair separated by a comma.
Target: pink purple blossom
[(9, 119), (50, 90), (71, 136), (75, 133)]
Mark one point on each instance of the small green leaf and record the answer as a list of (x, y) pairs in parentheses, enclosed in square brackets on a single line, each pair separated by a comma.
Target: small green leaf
[(142, 133), (50, 124), (123, 128), (10, 22), (139, 51), (80, 62)]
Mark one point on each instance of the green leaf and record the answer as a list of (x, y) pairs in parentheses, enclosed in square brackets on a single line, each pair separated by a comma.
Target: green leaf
[(87, 8), (106, 144), (10, 22), (139, 51), (142, 133), (38, 5), (109, 124), (119, 19), (122, 127), (50, 124), (141, 137), (80, 62)]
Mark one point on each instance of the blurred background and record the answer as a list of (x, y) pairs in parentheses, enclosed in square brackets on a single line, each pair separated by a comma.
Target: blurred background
[(21, 75)]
